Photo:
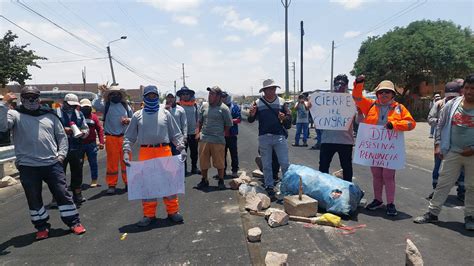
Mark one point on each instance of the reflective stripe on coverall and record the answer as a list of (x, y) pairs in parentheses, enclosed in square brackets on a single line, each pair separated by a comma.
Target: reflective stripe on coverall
[(171, 202), (113, 148)]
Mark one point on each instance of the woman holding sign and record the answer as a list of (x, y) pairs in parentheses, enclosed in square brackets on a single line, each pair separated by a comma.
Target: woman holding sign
[(394, 116)]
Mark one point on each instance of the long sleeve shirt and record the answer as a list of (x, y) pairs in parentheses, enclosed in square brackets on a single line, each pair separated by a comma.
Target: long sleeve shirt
[(191, 118), (179, 116), (113, 120), (38, 140), (95, 129), (146, 129)]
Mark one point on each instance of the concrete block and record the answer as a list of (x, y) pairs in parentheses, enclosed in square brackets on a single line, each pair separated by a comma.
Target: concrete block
[(257, 173), (276, 259), (253, 202), (413, 255), (269, 211), (8, 181), (306, 207), (278, 218), (235, 183), (254, 234), (265, 200)]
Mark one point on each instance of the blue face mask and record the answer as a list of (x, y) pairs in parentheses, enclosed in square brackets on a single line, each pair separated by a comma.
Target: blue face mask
[(151, 105)]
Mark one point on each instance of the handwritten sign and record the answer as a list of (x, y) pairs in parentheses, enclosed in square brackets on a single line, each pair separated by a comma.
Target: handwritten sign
[(380, 147), (155, 178), (333, 111)]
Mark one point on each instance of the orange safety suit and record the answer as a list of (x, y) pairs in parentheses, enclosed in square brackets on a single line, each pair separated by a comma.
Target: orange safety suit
[(171, 202), (113, 148), (398, 114)]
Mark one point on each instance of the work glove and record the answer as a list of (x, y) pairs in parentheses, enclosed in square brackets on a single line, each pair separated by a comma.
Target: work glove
[(126, 158), (389, 125), (183, 155), (360, 79)]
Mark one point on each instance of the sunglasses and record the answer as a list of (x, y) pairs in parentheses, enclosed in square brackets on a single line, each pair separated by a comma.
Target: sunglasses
[(30, 96), (384, 92)]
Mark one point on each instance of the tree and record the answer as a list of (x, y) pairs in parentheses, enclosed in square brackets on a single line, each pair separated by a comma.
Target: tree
[(15, 60), (423, 51)]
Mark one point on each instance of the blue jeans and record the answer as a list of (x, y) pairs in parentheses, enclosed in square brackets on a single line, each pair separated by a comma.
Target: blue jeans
[(267, 144), (435, 176), (319, 133), (301, 128), (91, 150)]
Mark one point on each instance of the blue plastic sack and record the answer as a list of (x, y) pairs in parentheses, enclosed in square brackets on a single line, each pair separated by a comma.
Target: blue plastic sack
[(333, 194)]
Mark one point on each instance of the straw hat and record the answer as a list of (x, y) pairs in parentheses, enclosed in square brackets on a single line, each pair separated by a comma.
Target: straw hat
[(115, 89), (268, 83), (385, 85)]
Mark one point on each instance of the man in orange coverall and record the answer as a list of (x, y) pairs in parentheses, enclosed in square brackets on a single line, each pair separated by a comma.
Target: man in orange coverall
[(154, 128)]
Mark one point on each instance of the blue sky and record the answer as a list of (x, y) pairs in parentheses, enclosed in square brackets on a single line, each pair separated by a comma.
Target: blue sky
[(234, 44)]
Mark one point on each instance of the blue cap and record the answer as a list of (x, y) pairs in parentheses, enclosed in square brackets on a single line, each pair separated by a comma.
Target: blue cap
[(150, 89)]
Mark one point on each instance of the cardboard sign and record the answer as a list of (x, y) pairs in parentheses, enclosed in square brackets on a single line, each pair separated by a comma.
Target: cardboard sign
[(155, 178), (333, 111), (378, 146)]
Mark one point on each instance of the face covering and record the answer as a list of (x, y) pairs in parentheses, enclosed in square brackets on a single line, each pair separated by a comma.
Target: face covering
[(151, 105), (86, 111), (116, 98), (68, 108), (30, 103), (340, 87)]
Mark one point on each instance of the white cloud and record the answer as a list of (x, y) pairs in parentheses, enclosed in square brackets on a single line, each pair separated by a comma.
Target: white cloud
[(233, 20), (278, 37), (316, 52), (351, 34), (108, 24), (232, 38), (44, 30), (186, 20), (172, 5), (178, 42), (349, 4), (250, 55)]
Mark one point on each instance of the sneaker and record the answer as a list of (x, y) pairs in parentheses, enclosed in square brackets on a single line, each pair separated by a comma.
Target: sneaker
[(461, 197), (216, 177), (375, 204), (235, 174), (176, 218), (126, 188), (195, 171), (221, 185), (469, 223), (271, 194), (316, 147), (258, 162), (304, 144), (78, 198), (94, 183), (391, 210), (146, 221), (426, 218), (203, 184), (78, 229), (111, 191), (42, 234), (295, 144)]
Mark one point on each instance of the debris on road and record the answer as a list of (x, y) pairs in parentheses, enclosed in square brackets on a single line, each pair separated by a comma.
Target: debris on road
[(413, 255), (278, 218), (123, 236), (254, 234), (300, 205), (266, 202), (275, 258), (8, 181), (253, 202)]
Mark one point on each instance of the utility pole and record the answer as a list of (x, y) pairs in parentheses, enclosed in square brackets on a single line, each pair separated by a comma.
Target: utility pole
[(175, 88), (332, 67), (111, 66), (294, 79), (287, 83), (301, 56), (184, 76)]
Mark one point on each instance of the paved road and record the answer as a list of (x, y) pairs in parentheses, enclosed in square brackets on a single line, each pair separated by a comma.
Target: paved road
[(215, 224)]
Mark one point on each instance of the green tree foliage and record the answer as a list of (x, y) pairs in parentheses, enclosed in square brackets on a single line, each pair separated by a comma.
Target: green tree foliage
[(15, 60), (423, 51)]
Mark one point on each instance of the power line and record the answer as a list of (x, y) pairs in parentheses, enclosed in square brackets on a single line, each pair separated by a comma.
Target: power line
[(384, 22), (85, 42), (41, 39), (72, 61)]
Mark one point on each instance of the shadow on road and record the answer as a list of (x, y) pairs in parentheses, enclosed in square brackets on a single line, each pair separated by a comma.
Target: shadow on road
[(456, 227), (28, 239), (382, 213), (159, 223), (103, 193)]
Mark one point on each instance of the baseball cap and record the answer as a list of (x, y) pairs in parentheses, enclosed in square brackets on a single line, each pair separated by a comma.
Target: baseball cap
[(215, 89), (71, 99)]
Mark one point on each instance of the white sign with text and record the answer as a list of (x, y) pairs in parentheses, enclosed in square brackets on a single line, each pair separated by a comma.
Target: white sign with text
[(377, 146), (155, 178), (333, 111)]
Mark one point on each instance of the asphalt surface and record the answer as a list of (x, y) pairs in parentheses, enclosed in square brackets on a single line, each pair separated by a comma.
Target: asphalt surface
[(216, 223)]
